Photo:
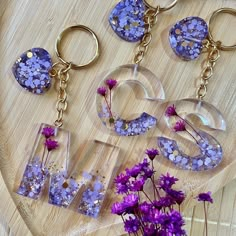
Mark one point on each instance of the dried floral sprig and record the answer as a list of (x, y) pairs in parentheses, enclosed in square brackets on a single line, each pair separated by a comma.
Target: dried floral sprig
[(111, 84), (144, 215), (48, 132), (181, 124), (205, 197)]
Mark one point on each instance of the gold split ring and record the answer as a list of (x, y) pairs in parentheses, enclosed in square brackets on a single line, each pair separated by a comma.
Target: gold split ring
[(211, 38), (64, 33), (161, 8)]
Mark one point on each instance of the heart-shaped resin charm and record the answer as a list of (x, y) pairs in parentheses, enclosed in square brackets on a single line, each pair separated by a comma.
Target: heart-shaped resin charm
[(127, 20), (31, 70), (186, 37)]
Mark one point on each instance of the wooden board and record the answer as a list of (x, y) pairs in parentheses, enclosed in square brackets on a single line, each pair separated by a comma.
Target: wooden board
[(26, 24)]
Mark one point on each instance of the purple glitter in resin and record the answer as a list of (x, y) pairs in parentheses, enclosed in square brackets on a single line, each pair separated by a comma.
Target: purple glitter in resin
[(62, 190), (33, 180), (92, 199), (135, 127), (127, 20), (186, 37), (210, 157), (31, 70)]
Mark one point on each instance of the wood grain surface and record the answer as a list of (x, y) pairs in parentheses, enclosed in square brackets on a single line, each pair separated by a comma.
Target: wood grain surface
[(26, 24)]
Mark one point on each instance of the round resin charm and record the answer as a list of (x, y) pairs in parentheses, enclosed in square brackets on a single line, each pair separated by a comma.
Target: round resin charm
[(31, 70), (127, 20), (129, 91), (186, 37)]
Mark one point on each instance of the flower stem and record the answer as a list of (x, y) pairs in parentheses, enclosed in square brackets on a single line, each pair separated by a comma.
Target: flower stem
[(152, 178), (110, 99), (187, 122), (44, 149), (108, 108), (46, 159), (158, 195), (205, 213), (147, 196), (192, 136)]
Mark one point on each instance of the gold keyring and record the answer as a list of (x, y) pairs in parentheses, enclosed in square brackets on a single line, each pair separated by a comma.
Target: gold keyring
[(161, 8), (213, 16), (64, 33)]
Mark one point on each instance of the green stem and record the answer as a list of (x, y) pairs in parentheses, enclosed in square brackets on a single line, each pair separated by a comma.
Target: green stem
[(147, 196)]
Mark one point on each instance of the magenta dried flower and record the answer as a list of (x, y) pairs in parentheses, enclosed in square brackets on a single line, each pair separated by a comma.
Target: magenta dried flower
[(171, 111), (132, 225), (117, 208), (166, 181), (131, 200), (102, 91), (177, 196), (138, 184), (134, 172), (51, 144), (152, 153), (179, 126), (111, 83), (48, 132), (205, 197)]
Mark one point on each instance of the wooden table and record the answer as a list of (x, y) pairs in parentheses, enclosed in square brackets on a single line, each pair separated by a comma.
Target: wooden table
[(26, 24)]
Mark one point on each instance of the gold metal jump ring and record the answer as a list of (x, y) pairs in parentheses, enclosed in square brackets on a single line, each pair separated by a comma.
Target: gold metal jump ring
[(161, 8), (213, 16), (64, 33)]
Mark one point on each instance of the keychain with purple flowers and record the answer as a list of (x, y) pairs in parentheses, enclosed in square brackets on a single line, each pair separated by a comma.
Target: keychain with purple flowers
[(188, 39), (50, 154), (132, 21)]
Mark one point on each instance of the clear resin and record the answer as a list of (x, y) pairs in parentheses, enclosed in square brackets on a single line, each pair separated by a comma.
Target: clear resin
[(127, 108)]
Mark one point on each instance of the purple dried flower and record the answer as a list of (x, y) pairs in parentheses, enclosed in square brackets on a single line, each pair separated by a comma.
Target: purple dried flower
[(177, 222), (134, 172), (131, 201), (145, 164), (164, 202), (132, 225), (148, 173), (111, 83), (102, 91), (51, 144), (117, 208), (138, 184), (177, 196), (145, 208), (149, 230), (166, 181), (205, 197), (171, 111), (122, 188), (122, 179), (152, 153), (48, 132), (179, 126)]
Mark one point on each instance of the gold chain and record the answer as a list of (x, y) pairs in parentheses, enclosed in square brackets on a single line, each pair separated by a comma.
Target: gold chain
[(150, 19), (207, 72), (62, 75)]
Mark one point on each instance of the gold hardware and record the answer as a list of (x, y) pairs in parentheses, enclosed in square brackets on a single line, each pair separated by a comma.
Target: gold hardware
[(161, 8), (64, 33), (211, 38), (150, 18), (213, 48)]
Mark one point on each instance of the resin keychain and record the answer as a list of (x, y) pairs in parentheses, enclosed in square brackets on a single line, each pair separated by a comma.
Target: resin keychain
[(132, 20), (188, 38), (50, 153)]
